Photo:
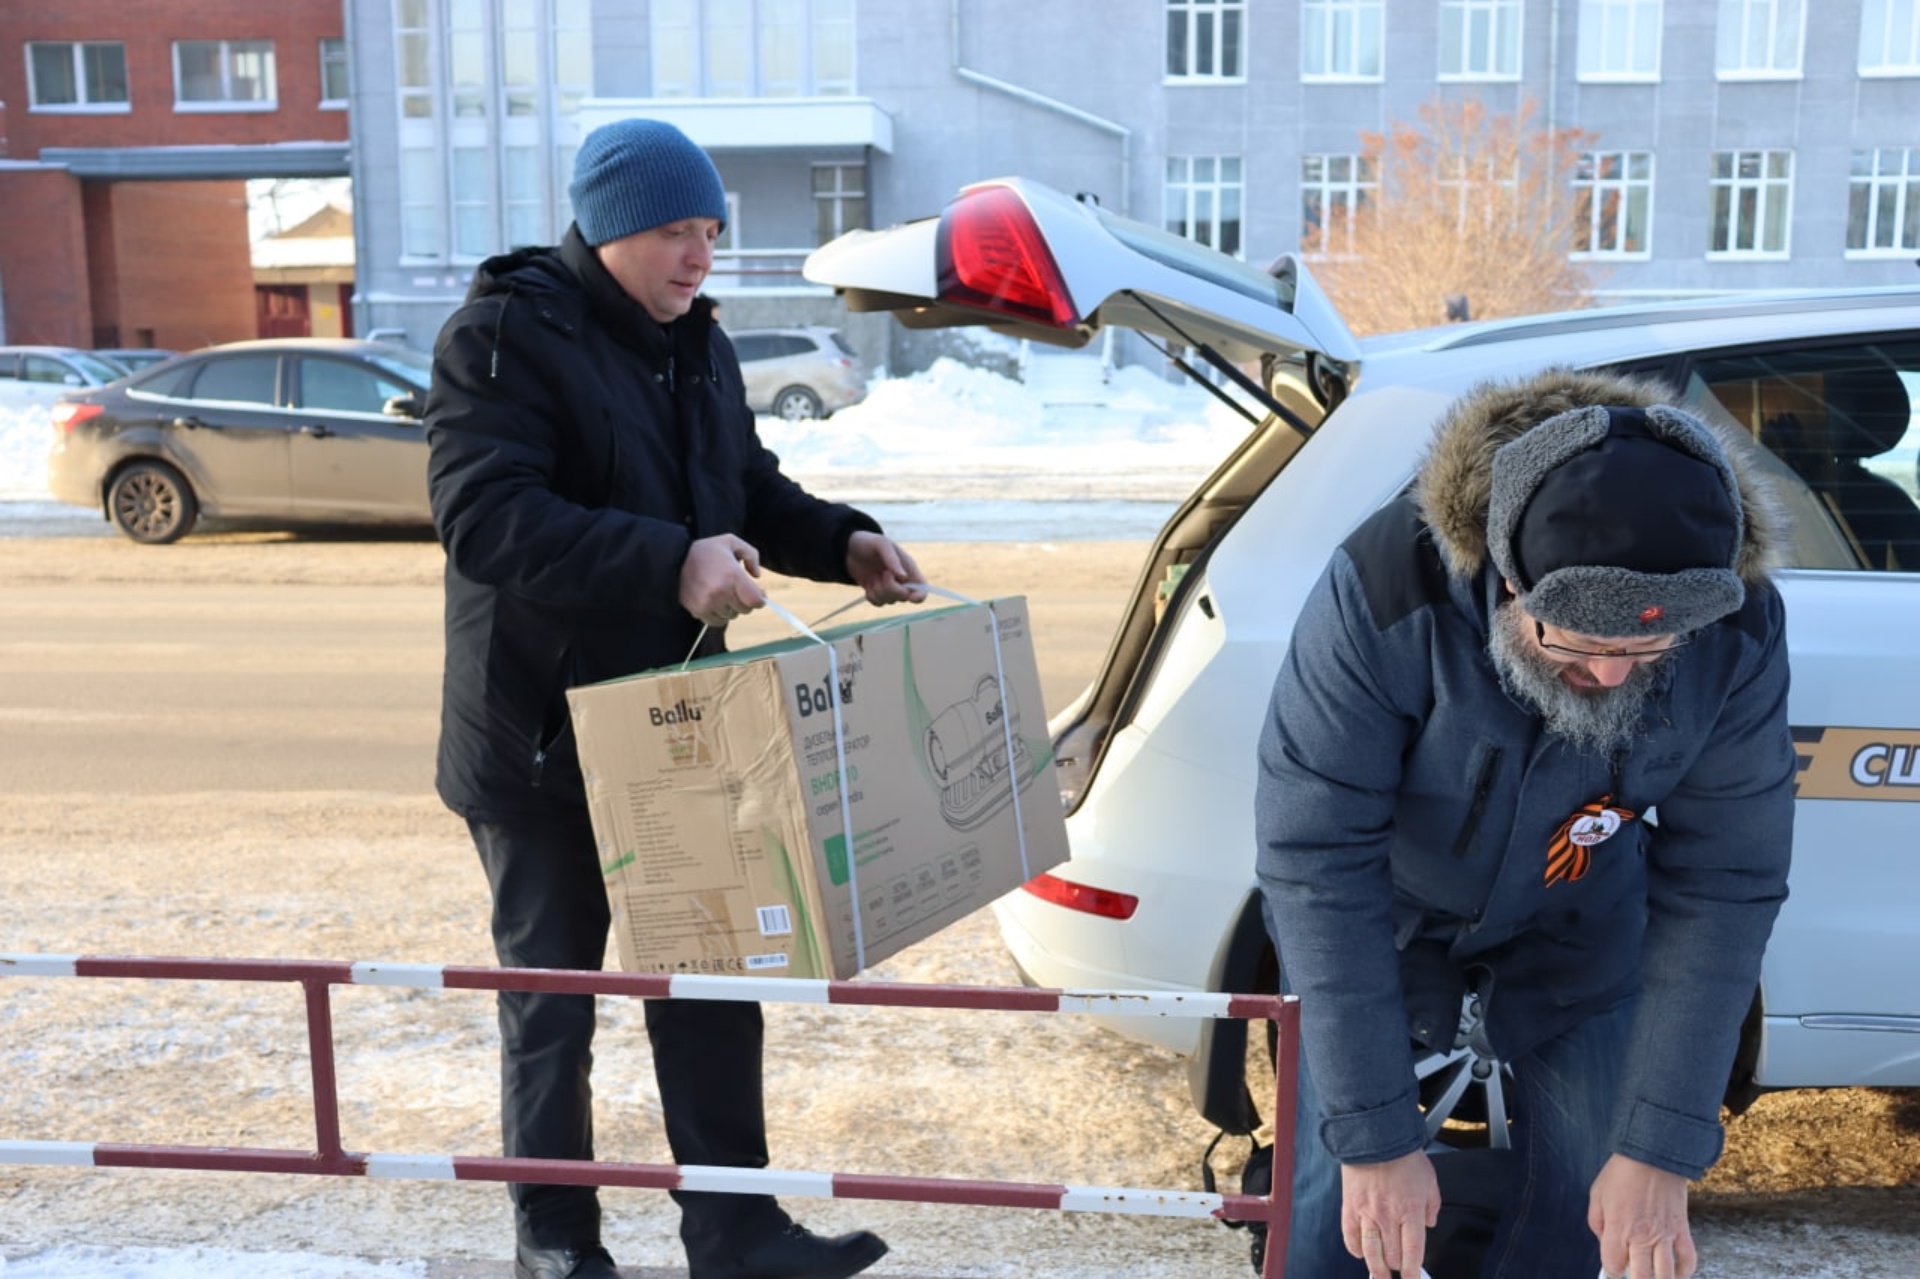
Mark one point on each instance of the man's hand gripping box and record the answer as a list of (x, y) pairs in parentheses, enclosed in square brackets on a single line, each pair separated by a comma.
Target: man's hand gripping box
[(726, 794)]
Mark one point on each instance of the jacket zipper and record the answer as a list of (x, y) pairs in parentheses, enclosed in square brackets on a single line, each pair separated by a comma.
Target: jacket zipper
[(550, 735), (1481, 790)]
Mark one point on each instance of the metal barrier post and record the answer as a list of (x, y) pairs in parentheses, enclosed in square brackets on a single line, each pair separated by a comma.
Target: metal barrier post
[(1286, 1089)]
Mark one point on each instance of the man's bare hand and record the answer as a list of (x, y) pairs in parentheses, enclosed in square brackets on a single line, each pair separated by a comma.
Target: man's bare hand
[(716, 580), (883, 569), (1639, 1213), (1386, 1210)]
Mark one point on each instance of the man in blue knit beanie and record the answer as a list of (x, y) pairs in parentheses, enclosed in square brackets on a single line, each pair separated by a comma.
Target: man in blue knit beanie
[(606, 506)]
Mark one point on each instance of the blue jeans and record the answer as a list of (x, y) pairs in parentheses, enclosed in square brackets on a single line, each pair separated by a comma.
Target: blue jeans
[(1562, 1100)]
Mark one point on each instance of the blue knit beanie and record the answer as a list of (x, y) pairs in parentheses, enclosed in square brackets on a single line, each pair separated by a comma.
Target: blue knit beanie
[(634, 175)]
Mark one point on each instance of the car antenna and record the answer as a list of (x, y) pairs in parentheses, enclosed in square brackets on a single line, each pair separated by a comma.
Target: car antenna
[(1225, 366)]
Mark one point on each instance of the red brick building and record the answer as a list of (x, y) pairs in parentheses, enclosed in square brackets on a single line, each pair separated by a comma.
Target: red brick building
[(127, 134)]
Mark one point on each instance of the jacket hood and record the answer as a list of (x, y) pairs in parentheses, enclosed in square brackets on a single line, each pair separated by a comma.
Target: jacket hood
[(1453, 487), (529, 270), (566, 282)]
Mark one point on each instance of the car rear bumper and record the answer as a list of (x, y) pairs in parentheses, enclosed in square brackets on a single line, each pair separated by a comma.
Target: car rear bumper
[(73, 472)]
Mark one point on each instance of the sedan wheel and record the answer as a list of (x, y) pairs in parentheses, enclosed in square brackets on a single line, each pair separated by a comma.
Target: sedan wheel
[(151, 502), (797, 404)]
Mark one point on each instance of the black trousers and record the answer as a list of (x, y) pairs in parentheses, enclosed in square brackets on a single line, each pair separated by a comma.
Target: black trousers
[(550, 911)]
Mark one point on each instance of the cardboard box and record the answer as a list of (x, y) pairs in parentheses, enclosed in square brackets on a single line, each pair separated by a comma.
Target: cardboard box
[(715, 791)]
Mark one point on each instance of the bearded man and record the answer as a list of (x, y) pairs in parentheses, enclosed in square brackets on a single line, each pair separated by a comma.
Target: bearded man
[(1530, 740)]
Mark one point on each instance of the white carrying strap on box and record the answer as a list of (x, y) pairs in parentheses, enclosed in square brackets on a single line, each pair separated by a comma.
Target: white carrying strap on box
[(839, 740)]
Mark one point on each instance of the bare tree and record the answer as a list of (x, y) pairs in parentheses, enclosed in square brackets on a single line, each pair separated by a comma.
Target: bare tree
[(1468, 215)]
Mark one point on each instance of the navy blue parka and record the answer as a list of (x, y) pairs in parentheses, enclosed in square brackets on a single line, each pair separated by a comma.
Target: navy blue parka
[(1406, 803)]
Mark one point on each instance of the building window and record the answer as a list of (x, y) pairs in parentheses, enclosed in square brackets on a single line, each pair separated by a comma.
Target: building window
[(572, 55), (224, 75), (89, 76), (1619, 39), (1749, 203), (1341, 39), (1206, 39), (1613, 202), (1890, 38), (1333, 189), (1760, 39), (422, 210), (526, 197), (1203, 200), (1883, 204), (839, 200), (752, 48), (519, 44), (413, 60), (486, 93), (333, 74), (1493, 190), (468, 66), (473, 230), (1480, 39)]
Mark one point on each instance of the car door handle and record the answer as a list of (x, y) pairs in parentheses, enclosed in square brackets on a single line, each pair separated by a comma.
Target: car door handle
[(188, 423), (318, 430)]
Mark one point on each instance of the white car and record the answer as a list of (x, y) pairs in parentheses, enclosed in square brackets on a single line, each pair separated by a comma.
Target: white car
[(798, 373), (33, 377), (1156, 759)]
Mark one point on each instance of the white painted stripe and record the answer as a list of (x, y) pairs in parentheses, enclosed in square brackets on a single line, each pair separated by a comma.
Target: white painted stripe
[(68, 1154), (411, 1167), (417, 976), (12, 965), (1145, 1003), (1140, 1203), (757, 1181), (770, 990)]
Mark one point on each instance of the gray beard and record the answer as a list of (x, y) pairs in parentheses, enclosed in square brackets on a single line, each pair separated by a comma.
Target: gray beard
[(1594, 721)]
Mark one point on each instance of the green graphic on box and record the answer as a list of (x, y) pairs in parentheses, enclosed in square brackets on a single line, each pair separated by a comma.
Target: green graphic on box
[(871, 848)]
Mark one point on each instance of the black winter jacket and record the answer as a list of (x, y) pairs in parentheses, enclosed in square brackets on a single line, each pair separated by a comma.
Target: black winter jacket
[(577, 449)]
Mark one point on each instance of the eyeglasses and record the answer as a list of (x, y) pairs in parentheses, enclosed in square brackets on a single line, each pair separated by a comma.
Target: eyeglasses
[(1606, 654)]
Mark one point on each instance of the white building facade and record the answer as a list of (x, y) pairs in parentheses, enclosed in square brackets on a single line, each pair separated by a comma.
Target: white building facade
[(1733, 145)]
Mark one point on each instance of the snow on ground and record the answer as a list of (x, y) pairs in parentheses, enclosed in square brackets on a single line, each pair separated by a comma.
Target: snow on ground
[(200, 1263)]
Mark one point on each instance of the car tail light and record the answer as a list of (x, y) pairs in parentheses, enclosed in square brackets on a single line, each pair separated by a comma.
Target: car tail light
[(1090, 901), (992, 256), (68, 416)]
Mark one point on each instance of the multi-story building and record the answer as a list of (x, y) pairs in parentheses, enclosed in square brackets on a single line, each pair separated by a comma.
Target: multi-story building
[(125, 145), (1735, 144)]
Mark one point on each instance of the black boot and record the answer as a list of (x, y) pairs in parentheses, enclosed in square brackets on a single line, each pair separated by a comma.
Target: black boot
[(798, 1253), (591, 1262)]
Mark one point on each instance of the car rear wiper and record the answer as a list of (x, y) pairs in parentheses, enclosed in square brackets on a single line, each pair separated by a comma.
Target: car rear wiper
[(1225, 366)]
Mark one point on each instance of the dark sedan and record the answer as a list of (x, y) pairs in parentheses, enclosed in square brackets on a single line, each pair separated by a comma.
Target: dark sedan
[(307, 430)]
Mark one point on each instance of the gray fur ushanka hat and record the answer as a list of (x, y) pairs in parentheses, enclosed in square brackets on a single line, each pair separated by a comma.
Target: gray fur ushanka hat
[(1618, 522)]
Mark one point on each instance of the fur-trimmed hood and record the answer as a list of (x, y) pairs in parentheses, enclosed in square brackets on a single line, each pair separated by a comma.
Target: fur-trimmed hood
[(1454, 484)]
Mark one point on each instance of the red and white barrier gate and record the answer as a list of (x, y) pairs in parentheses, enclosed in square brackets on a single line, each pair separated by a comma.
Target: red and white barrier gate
[(330, 1159)]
